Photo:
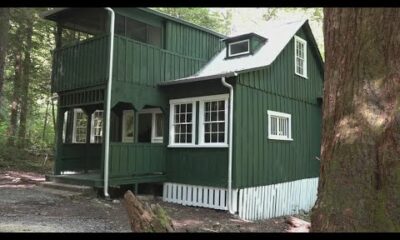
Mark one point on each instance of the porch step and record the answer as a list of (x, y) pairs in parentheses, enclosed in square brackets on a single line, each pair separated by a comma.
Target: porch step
[(68, 188)]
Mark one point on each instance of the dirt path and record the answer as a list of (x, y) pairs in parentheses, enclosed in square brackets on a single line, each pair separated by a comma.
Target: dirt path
[(25, 207)]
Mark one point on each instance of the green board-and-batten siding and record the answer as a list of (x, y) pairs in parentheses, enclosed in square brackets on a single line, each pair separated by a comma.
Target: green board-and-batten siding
[(259, 161)]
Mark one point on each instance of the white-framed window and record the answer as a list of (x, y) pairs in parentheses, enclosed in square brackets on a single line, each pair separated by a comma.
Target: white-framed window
[(182, 122), (279, 126), (238, 48), (213, 115), (128, 126), (213, 123), (151, 125), (80, 126), (300, 56), (96, 132)]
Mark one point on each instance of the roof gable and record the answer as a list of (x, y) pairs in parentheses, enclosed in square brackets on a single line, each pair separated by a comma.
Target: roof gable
[(278, 33)]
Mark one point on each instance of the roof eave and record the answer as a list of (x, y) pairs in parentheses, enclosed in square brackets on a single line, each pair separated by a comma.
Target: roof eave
[(197, 79), (46, 14)]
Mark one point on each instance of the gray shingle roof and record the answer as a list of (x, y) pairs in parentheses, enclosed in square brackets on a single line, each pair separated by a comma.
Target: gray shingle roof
[(278, 33)]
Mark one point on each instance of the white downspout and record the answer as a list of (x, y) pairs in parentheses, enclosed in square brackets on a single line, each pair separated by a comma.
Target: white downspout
[(108, 106), (230, 143)]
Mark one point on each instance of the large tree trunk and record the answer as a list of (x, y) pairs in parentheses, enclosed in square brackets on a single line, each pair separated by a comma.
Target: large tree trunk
[(360, 155), (15, 103), (4, 28), (25, 85)]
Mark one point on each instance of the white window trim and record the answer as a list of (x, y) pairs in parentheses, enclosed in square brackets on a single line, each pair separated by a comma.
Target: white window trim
[(64, 134), (223, 97), (194, 100), (298, 39), (92, 127), (153, 112), (241, 53), (124, 116), (172, 103), (77, 110), (279, 114)]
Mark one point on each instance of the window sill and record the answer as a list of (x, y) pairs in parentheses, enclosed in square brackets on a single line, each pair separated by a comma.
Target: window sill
[(198, 146), (282, 139), (303, 76)]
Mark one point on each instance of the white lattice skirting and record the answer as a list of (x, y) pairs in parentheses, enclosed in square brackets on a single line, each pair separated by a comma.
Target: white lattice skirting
[(278, 199), (199, 196), (251, 203)]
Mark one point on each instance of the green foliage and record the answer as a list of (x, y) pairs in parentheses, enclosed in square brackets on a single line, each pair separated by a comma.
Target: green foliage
[(204, 17), (39, 86)]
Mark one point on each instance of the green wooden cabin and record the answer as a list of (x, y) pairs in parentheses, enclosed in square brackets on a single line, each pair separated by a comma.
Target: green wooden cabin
[(230, 123)]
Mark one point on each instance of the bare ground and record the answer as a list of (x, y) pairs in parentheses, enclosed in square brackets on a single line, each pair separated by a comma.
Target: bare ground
[(25, 207)]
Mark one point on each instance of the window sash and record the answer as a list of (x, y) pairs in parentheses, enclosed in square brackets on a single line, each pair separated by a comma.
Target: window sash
[(79, 127), (182, 123), (96, 129), (209, 127), (230, 54), (300, 59), (126, 114), (279, 126)]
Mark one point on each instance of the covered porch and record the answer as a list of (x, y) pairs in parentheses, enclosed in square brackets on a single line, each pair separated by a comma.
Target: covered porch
[(137, 152)]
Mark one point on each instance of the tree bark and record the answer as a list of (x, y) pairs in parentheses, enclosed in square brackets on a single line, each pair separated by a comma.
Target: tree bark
[(15, 103), (144, 218), (25, 84), (360, 155), (4, 28)]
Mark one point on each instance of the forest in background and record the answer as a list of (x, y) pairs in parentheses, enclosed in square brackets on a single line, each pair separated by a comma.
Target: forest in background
[(27, 106)]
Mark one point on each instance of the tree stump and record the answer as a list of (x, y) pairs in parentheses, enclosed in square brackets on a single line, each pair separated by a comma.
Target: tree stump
[(146, 218)]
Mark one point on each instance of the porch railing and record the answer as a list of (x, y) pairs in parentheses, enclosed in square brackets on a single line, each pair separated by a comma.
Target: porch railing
[(80, 65), (128, 159)]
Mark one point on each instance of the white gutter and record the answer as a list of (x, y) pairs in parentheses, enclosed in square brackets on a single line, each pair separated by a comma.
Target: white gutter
[(108, 106), (230, 208)]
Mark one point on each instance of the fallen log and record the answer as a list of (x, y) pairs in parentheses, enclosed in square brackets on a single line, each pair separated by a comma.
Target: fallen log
[(146, 218), (297, 225)]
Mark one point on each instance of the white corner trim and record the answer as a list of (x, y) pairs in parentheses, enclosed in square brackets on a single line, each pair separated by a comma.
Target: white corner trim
[(299, 39)]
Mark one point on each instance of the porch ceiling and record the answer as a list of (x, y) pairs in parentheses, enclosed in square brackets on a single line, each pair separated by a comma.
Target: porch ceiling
[(87, 20)]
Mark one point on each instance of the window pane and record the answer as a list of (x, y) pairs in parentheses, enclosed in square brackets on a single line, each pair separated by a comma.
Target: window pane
[(135, 30), (119, 25), (221, 116), (154, 35), (221, 137), (144, 127), (214, 116), (128, 124), (183, 138), (221, 105), (241, 47), (207, 138), (159, 125)]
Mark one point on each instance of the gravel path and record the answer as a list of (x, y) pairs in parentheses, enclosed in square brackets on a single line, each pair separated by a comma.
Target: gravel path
[(29, 208)]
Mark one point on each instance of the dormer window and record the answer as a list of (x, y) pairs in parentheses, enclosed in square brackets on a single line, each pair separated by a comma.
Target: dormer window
[(239, 48)]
